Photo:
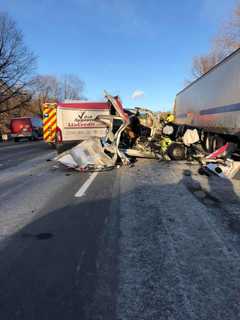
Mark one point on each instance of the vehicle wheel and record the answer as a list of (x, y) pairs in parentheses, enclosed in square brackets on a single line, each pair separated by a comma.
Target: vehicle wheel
[(212, 142), (208, 142), (218, 142), (16, 139), (177, 151), (35, 136)]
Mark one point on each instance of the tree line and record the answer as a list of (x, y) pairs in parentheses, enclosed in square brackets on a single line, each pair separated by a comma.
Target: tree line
[(22, 90), (227, 41)]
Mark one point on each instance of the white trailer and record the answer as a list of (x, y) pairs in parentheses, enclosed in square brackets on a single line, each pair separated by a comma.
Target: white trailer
[(212, 102)]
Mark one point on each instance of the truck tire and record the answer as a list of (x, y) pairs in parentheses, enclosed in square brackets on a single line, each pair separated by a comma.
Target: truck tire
[(218, 142), (212, 142), (208, 142), (59, 146), (176, 151)]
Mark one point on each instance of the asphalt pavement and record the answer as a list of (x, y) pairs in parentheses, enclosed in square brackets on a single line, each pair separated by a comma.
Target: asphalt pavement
[(13, 154), (155, 241), (49, 237)]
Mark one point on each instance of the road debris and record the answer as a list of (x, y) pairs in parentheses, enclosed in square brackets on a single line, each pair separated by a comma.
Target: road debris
[(227, 169), (89, 155), (220, 163), (219, 152)]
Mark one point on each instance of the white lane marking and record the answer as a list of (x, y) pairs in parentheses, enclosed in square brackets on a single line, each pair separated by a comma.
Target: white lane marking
[(86, 185)]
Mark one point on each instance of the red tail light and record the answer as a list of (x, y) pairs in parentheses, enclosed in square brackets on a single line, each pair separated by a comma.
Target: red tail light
[(59, 135)]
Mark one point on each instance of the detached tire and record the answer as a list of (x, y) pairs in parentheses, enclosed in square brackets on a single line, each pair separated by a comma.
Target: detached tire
[(177, 151)]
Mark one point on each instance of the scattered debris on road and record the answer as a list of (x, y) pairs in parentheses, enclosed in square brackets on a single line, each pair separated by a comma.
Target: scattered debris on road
[(89, 155)]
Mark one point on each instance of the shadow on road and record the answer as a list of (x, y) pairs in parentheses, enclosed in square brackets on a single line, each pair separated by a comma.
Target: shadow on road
[(65, 265), (220, 196), (49, 269)]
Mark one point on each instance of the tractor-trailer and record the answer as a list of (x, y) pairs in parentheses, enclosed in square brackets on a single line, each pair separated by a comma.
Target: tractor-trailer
[(212, 102)]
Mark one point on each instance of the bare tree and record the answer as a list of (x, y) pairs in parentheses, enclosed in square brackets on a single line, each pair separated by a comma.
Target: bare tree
[(45, 88), (204, 63), (229, 38), (16, 66), (49, 88), (224, 44), (72, 87)]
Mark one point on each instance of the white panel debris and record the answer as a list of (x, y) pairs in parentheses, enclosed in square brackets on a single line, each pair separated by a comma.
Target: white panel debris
[(86, 155), (190, 137)]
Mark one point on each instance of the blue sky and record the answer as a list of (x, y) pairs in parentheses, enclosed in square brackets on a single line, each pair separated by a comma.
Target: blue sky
[(124, 46)]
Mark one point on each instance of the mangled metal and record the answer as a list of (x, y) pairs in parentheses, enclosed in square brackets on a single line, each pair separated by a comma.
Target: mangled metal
[(141, 133), (99, 154), (88, 155), (149, 140)]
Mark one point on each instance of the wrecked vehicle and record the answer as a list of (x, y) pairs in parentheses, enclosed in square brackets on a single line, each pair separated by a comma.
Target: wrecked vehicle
[(130, 134), (100, 153), (155, 137), (141, 133)]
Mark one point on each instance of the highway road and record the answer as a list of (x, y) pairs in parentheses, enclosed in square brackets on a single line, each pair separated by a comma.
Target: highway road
[(13, 154), (155, 241)]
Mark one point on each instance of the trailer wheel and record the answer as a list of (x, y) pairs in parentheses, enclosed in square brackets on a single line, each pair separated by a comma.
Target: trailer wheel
[(208, 142), (212, 142), (218, 142)]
